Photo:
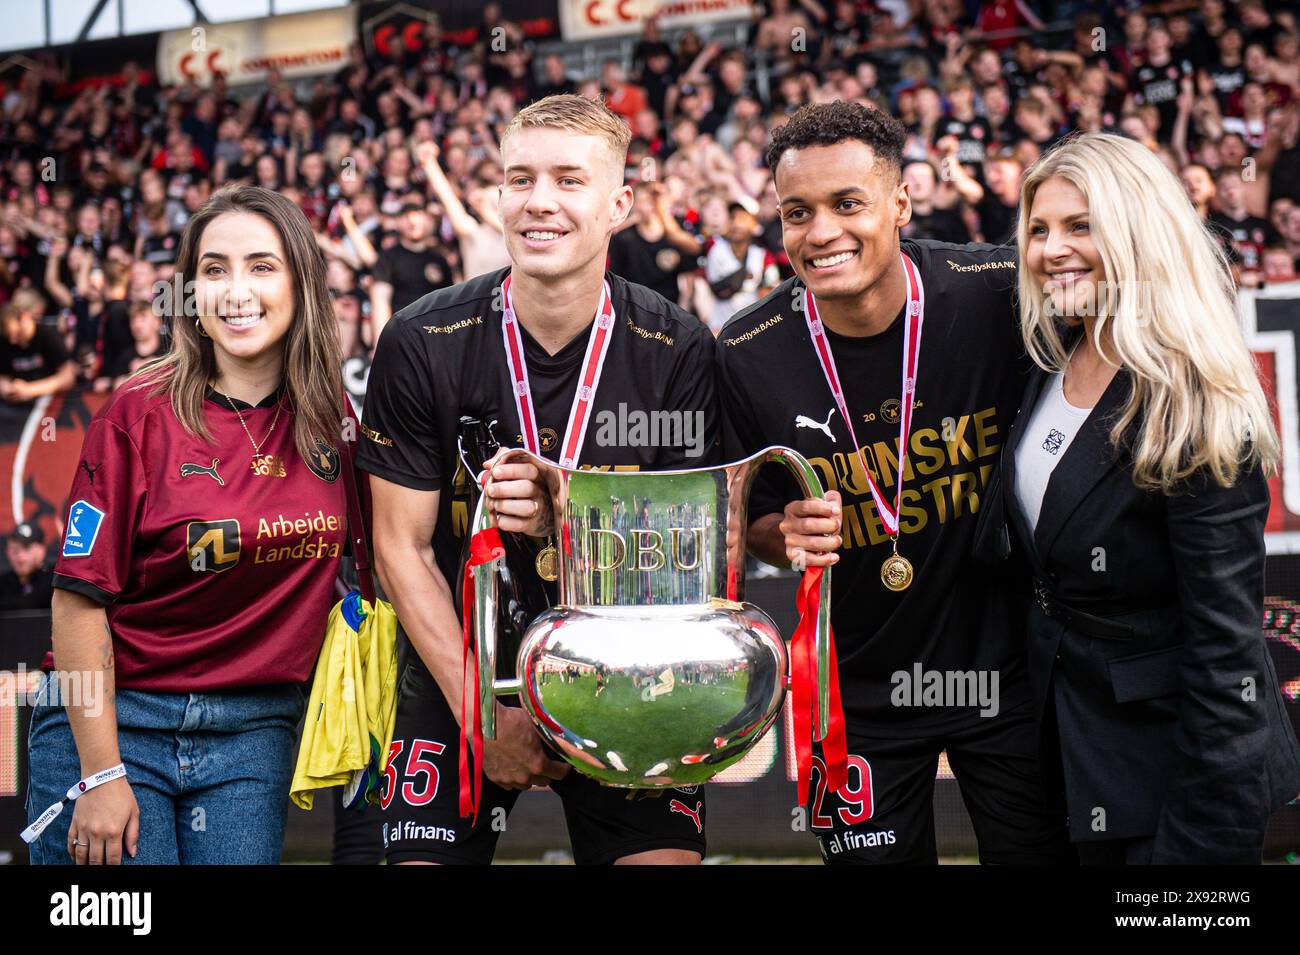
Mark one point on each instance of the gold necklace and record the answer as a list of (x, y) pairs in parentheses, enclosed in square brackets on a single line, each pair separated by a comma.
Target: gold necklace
[(257, 446)]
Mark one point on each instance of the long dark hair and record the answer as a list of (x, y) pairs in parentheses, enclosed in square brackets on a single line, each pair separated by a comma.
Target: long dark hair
[(312, 365)]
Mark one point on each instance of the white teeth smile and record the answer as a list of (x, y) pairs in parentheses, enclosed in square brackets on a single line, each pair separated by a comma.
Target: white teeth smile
[(827, 262), (542, 236), (240, 321)]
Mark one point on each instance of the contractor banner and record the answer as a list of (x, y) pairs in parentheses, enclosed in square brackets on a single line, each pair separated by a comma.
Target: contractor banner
[(298, 45), (593, 19)]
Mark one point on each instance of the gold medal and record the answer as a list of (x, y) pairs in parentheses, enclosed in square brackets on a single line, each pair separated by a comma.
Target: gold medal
[(547, 563), (896, 572)]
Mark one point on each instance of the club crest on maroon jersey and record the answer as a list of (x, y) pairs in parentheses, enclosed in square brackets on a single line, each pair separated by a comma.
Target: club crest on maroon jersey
[(324, 462)]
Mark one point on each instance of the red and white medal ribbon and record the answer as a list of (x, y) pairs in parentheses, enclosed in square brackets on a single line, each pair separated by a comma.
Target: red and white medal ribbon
[(913, 316), (593, 363)]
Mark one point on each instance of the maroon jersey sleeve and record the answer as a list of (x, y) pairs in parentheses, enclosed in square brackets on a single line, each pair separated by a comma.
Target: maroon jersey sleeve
[(107, 498)]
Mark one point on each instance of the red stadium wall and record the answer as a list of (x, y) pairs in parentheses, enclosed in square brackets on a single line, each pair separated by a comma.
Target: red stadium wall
[(50, 438)]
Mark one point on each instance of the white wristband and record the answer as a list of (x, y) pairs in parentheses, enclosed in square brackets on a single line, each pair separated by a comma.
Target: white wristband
[(33, 832)]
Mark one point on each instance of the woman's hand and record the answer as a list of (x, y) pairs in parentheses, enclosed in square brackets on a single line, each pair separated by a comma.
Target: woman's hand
[(105, 821)]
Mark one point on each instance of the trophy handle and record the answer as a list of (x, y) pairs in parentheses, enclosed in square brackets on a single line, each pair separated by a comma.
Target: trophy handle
[(811, 485), (486, 601), (485, 625)]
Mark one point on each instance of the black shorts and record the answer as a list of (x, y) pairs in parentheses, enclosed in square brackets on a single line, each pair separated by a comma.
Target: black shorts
[(421, 798), (885, 813)]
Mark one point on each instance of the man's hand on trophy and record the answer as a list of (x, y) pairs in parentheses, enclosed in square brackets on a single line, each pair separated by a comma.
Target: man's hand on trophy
[(515, 759), (518, 501), (812, 532)]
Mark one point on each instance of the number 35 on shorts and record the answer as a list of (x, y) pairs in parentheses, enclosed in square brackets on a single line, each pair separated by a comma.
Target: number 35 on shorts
[(855, 800), (419, 782)]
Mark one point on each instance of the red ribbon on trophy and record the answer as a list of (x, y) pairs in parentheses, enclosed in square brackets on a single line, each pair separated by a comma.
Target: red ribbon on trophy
[(484, 547), (803, 679)]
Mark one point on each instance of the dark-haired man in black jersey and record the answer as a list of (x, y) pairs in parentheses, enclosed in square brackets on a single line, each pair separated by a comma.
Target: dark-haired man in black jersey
[(446, 356), (879, 345)]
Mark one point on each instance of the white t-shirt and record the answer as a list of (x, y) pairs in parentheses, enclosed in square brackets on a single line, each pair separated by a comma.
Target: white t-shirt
[(1049, 431), (720, 261)]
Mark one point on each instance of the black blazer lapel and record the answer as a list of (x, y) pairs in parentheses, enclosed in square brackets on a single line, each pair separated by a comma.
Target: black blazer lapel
[(1085, 462), (1013, 514)]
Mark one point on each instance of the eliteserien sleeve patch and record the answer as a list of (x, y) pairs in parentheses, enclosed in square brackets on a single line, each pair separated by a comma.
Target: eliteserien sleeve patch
[(84, 520)]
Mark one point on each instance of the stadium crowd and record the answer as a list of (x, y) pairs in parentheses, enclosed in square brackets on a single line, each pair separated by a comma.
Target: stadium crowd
[(394, 159), (395, 162)]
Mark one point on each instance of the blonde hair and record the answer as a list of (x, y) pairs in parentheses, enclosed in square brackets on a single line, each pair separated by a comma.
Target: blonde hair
[(1167, 308), (30, 300), (577, 114), (313, 362)]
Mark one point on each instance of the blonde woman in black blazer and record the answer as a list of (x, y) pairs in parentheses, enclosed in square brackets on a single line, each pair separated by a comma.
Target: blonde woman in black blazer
[(1133, 499)]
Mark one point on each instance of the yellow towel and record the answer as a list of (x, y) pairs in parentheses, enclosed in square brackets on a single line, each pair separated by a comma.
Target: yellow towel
[(353, 705)]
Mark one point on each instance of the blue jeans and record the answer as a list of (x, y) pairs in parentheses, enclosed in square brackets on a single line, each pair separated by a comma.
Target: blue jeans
[(210, 773)]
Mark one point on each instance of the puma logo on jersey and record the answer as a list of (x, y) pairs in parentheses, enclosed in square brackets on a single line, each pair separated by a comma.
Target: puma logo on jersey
[(210, 471), (676, 805), (90, 472), (803, 421)]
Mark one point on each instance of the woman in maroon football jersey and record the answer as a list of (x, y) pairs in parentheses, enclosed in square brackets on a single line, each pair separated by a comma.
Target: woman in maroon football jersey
[(196, 573)]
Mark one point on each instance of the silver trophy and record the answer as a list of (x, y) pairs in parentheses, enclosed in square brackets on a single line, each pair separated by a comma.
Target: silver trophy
[(651, 671)]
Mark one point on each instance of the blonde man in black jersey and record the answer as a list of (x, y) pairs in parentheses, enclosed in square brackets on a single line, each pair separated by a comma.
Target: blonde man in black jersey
[(444, 357)]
